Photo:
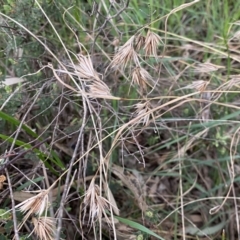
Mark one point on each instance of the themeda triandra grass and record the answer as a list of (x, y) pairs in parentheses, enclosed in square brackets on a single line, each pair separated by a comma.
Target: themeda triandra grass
[(44, 227), (86, 73), (97, 204), (141, 78), (151, 44), (125, 54), (36, 204)]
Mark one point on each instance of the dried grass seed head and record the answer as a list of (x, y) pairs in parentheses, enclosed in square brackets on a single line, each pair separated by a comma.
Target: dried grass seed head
[(36, 204), (141, 77), (199, 85), (151, 43), (139, 42), (234, 81), (124, 55), (96, 203), (99, 89), (84, 69), (142, 109), (44, 227)]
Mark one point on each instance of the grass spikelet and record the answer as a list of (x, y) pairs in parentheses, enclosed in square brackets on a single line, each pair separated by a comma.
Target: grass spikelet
[(151, 44), (35, 205), (44, 227), (198, 85), (99, 88), (143, 109), (141, 78), (96, 203), (125, 54), (84, 69), (139, 42)]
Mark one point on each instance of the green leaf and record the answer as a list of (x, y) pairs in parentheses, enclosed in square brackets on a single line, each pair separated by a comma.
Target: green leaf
[(7, 8), (5, 215), (17, 142), (42, 156), (206, 231), (138, 227), (2, 237), (17, 123), (28, 183)]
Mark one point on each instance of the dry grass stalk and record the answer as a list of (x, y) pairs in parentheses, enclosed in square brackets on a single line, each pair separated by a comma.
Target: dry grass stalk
[(96, 203), (205, 106), (234, 81), (205, 115), (44, 227), (151, 44), (124, 55), (143, 109), (141, 77), (236, 36)]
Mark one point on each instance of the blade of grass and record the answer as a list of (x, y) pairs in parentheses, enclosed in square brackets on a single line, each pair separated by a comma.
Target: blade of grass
[(16, 123), (138, 226)]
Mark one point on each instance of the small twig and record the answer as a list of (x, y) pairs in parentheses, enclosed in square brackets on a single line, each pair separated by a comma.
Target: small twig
[(10, 96), (23, 119), (68, 177), (13, 207), (2, 26), (108, 19)]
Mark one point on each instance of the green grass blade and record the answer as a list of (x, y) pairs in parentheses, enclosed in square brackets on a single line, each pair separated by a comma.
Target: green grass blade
[(16, 122), (138, 226)]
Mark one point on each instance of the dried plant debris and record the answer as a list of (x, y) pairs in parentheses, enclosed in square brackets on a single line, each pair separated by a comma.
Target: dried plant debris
[(2, 180), (134, 184)]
